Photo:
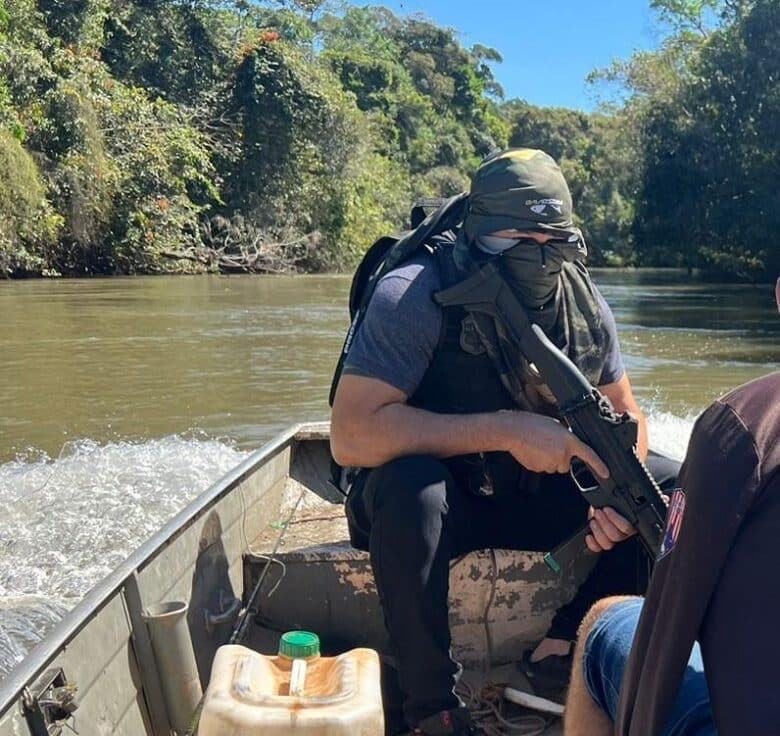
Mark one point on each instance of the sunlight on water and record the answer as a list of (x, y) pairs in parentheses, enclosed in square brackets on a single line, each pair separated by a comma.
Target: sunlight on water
[(668, 433), (70, 520)]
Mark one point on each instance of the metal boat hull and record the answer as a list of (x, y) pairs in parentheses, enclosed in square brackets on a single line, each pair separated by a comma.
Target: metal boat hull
[(213, 552)]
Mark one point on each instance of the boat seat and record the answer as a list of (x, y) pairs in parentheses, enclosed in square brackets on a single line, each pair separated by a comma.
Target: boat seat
[(328, 587)]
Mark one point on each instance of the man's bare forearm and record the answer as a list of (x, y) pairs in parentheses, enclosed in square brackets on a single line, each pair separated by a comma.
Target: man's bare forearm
[(372, 424), (397, 429)]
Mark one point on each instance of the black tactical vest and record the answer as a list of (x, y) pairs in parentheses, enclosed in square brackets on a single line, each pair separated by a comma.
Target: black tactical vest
[(462, 379)]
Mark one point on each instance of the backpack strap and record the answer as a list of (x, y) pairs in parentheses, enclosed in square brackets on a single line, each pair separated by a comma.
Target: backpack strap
[(446, 217), (424, 207), (372, 260)]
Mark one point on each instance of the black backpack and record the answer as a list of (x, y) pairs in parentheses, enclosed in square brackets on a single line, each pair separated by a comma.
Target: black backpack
[(429, 217)]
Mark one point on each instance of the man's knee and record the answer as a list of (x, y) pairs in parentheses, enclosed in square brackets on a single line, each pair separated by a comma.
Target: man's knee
[(409, 487), (594, 614), (586, 714)]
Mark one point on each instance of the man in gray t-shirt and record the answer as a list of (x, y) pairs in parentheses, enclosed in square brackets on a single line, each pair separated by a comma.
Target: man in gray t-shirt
[(458, 441), (386, 349)]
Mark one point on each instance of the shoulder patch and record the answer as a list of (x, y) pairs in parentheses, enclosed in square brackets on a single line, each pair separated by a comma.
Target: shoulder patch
[(673, 522)]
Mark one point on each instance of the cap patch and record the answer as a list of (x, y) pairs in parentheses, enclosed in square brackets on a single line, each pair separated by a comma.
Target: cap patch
[(541, 206), (520, 154)]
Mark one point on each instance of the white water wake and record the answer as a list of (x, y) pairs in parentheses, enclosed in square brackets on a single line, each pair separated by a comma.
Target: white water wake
[(67, 522), (670, 433)]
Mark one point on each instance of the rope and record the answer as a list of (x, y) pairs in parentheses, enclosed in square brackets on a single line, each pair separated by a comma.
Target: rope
[(487, 705), (488, 711)]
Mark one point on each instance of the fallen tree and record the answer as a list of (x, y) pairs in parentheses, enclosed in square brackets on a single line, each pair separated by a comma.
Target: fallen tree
[(227, 249)]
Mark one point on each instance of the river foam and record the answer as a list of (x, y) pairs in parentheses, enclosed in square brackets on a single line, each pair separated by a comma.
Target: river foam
[(68, 521), (670, 433)]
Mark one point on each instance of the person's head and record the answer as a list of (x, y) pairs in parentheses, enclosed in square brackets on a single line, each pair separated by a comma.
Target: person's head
[(519, 190), (520, 208)]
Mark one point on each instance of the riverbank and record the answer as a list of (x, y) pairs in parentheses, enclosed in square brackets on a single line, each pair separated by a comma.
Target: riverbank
[(692, 276), (675, 274)]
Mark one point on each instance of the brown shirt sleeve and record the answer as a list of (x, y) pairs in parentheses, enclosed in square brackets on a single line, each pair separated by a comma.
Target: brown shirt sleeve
[(724, 473)]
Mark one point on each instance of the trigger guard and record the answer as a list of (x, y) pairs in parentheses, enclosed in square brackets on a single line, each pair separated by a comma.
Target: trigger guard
[(580, 473)]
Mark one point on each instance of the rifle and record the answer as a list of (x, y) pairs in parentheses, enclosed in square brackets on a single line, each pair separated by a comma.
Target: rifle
[(630, 489)]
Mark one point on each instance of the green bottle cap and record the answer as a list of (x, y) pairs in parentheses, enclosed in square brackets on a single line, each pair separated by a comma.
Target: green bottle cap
[(299, 645)]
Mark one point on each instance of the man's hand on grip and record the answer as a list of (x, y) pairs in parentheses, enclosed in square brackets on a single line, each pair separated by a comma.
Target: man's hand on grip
[(544, 445), (607, 528)]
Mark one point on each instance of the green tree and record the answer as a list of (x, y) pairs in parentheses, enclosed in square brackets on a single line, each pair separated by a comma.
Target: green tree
[(28, 224), (148, 125), (716, 140), (174, 50)]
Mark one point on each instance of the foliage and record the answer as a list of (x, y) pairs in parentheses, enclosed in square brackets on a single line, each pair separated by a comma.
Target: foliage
[(173, 50), (685, 15), (75, 22), (166, 180), (427, 91), (174, 135), (28, 226), (140, 122), (717, 140)]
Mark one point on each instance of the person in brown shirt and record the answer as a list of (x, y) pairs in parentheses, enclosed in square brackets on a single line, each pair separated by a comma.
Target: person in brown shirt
[(713, 603)]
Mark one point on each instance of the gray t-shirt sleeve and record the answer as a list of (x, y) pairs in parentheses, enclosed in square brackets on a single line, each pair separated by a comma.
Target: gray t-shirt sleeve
[(614, 368), (401, 328)]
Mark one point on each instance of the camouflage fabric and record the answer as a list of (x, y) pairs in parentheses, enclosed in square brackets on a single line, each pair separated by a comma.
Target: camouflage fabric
[(573, 323), (524, 189), (519, 189)]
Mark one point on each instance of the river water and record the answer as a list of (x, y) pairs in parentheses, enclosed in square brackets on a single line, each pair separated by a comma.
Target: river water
[(124, 398)]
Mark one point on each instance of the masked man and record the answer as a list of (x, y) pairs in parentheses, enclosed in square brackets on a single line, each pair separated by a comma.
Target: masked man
[(457, 437)]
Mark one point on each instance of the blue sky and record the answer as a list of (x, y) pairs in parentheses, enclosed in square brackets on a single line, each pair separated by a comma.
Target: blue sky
[(548, 47)]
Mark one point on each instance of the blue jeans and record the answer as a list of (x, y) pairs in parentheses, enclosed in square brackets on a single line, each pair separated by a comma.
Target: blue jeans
[(606, 654)]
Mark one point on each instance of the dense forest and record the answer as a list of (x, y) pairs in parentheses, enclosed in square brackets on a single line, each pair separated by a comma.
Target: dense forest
[(164, 136)]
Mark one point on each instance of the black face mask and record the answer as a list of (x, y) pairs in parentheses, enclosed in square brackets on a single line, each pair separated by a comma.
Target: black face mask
[(533, 269)]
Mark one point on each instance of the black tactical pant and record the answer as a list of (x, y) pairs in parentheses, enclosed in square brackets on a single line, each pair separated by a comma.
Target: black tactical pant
[(416, 518)]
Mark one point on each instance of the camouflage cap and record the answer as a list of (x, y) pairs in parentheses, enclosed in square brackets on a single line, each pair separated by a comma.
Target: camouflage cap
[(519, 189)]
